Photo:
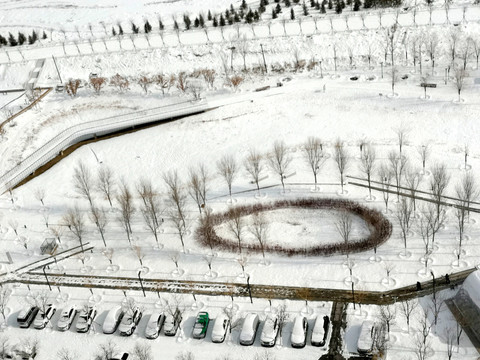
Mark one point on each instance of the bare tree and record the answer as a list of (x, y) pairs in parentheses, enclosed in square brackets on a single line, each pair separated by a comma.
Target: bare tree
[(197, 185), (46, 216), (432, 43), (83, 181), (385, 176), (458, 333), (404, 215), (422, 348), (259, 229), (424, 228), (144, 82), (127, 208), (175, 257), (73, 219), (413, 179), (437, 305), (387, 314), (5, 293), (40, 194), (106, 183), (460, 75), (142, 352), (341, 158), (449, 334), (236, 225), (227, 168), (13, 223), (314, 155), (107, 351), (407, 307), (209, 260), (243, 49), (138, 251), (424, 152), (151, 206), (368, 164), (438, 185), (65, 354), (402, 136), (475, 41), (185, 355), (57, 231), (99, 218), (344, 223), (255, 166), (279, 160), (398, 164), (453, 39), (108, 253), (242, 261), (176, 200), (282, 316)]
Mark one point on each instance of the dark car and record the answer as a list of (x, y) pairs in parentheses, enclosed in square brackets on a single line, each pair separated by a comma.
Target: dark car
[(85, 319), (26, 316), (201, 325)]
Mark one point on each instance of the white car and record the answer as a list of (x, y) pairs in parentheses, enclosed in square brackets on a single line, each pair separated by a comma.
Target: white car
[(366, 338), (154, 325), (112, 320), (220, 328), (85, 319), (299, 332), (320, 330), (42, 318), (66, 318), (129, 322), (249, 329), (269, 331)]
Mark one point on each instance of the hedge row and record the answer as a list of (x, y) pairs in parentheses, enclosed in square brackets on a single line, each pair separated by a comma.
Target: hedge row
[(380, 228)]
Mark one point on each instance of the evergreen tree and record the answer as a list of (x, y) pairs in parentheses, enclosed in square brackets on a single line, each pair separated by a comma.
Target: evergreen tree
[(215, 22), (305, 9), (322, 8), (249, 18), (232, 9), (196, 22), (187, 22), (330, 4), (261, 9), (230, 20), (114, 32), (256, 16), (292, 14), (209, 16), (135, 28), (32, 38), (317, 6), (277, 1), (161, 27), (274, 14), (227, 14), (175, 25), (287, 3), (222, 20), (147, 27), (349, 2), (278, 9), (296, 1), (21, 38), (241, 13), (244, 4), (201, 20), (367, 4), (236, 18), (3, 41), (312, 3), (265, 2), (44, 36), (338, 7), (342, 2), (120, 29), (356, 5), (11, 40)]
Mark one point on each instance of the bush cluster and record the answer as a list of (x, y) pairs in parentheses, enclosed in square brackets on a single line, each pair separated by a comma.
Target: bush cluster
[(380, 228)]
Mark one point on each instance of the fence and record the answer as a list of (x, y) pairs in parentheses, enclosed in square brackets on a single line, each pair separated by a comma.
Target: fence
[(92, 129)]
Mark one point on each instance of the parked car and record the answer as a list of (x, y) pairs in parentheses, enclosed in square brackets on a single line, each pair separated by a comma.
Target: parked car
[(366, 337), (320, 331), (270, 329), (201, 325), (130, 321), (23, 351), (299, 332), (111, 322), (220, 328), (249, 329), (172, 322), (154, 325), (124, 356), (26, 316), (43, 318), (66, 318), (85, 319)]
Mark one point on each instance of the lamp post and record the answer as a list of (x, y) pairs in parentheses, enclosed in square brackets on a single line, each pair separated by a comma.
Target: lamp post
[(353, 294), (141, 284), (264, 62), (46, 278), (249, 289), (433, 276)]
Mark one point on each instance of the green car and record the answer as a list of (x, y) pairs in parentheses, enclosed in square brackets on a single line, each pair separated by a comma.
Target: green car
[(201, 325)]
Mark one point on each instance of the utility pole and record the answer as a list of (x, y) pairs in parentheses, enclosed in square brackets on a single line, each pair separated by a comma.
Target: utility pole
[(141, 284), (46, 278), (249, 289), (353, 295), (264, 62), (56, 67)]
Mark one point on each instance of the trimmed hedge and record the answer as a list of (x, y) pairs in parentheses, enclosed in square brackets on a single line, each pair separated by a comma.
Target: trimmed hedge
[(380, 227)]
